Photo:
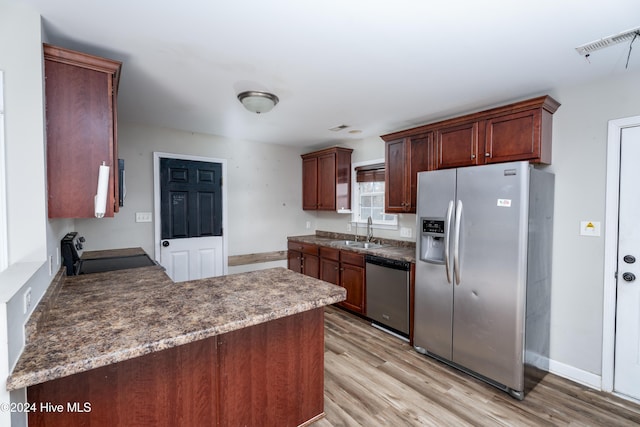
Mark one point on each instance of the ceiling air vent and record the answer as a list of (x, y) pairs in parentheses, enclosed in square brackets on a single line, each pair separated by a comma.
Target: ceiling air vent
[(624, 36)]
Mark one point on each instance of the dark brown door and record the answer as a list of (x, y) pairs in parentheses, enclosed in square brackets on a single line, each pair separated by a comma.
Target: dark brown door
[(420, 161), (327, 182), (310, 183), (457, 146), (353, 281), (513, 137), (190, 198), (396, 173)]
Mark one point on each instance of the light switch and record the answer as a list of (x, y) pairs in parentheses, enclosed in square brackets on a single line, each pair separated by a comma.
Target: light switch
[(144, 216), (590, 228)]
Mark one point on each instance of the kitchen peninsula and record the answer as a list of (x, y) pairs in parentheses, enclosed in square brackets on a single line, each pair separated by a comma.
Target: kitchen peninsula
[(132, 347)]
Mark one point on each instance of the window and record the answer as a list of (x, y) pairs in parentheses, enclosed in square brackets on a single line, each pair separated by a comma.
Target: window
[(368, 195)]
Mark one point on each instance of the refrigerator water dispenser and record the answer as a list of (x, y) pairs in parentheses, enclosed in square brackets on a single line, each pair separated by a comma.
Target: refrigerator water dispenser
[(432, 243)]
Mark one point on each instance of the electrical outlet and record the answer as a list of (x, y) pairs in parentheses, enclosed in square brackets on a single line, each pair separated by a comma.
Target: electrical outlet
[(348, 226), (308, 225), (144, 216), (27, 300), (50, 265), (405, 232)]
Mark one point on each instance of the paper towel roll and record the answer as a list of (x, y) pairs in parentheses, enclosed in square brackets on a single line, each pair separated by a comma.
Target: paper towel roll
[(103, 187)]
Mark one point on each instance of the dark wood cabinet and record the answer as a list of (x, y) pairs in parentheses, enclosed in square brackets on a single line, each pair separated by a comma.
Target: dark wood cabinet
[(330, 265), (267, 374), (457, 146), (352, 278), (303, 258), (404, 158), (342, 268), (519, 131), (326, 179), (524, 135), (81, 130)]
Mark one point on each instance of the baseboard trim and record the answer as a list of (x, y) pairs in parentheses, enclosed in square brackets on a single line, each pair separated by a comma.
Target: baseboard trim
[(574, 374)]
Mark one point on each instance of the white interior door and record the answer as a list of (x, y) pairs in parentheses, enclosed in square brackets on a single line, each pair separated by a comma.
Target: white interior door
[(627, 347), (192, 258), (183, 255)]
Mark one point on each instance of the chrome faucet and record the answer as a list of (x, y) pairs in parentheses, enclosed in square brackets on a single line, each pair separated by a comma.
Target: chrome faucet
[(369, 229)]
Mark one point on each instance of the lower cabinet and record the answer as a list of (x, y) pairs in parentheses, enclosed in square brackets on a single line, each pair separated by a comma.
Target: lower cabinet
[(346, 269), (303, 258), (267, 374)]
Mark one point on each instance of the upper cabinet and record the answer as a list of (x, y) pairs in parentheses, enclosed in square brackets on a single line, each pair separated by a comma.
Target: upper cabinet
[(80, 92), (520, 131), (404, 158), (326, 179)]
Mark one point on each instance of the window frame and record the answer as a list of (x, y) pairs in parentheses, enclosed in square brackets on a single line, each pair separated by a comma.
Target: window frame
[(355, 200)]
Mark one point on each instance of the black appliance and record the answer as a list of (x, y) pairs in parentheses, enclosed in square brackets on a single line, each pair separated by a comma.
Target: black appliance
[(72, 247)]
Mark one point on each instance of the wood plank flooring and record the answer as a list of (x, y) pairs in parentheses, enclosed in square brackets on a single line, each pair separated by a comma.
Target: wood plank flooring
[(375, 379)]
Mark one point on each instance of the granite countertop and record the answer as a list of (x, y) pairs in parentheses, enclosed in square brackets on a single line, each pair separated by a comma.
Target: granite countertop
[(391, 249), (99, 319)]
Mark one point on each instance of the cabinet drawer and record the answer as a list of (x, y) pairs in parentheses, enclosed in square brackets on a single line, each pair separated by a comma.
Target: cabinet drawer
[(305, 248), (329, 253), (352, 258)]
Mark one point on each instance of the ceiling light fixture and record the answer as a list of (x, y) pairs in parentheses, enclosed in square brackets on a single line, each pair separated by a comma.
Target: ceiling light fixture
[(258, 102)]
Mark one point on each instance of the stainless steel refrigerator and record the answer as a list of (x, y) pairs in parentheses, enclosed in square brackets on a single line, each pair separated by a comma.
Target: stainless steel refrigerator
[(483, 271)]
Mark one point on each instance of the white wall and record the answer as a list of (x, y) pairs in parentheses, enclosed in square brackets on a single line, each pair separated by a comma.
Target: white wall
[(579, 162), (32, 240), (263, 183)]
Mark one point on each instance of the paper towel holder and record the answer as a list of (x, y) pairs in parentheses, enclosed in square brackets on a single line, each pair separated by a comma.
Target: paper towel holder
[(100, 199)]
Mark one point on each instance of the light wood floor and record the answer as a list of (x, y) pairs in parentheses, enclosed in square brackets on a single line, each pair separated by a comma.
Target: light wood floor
[(375, 379)]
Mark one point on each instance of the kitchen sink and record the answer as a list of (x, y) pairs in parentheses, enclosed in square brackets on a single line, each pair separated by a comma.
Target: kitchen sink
[(363, 245)]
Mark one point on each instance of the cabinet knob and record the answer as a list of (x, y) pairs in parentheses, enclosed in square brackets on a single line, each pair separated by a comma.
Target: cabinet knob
[(487, 154), (473, 156)]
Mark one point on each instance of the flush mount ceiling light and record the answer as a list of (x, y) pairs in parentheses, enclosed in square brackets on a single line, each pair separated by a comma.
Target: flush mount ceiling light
[(624, 36), (258, 102)]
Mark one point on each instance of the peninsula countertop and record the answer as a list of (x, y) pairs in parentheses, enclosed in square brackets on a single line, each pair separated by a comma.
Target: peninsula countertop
[(99, 319)]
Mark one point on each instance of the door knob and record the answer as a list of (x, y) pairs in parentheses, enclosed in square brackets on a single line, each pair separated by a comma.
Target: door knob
[(165, 243), (628, 277), (629, 259)]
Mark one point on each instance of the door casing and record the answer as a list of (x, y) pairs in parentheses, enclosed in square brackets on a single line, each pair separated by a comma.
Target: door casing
[(612, 200), (156, 202)]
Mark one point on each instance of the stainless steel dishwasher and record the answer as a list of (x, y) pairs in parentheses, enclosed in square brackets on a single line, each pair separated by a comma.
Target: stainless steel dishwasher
[(388, 292)]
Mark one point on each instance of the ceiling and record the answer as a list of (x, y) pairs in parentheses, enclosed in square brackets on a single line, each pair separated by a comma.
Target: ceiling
[(375, 66)]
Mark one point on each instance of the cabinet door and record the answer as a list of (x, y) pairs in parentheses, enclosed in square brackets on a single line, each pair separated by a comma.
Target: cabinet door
[(513, 137), (352, 279), (327, 182), (294, 261), (420, 150), (396, 176), (79, 138), (311, 265), (457, 146), (330, 271), (310, 183)]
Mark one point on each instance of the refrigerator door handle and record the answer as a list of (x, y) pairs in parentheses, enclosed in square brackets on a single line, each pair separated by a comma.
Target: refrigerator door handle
[(456, 243), (447, 246)]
